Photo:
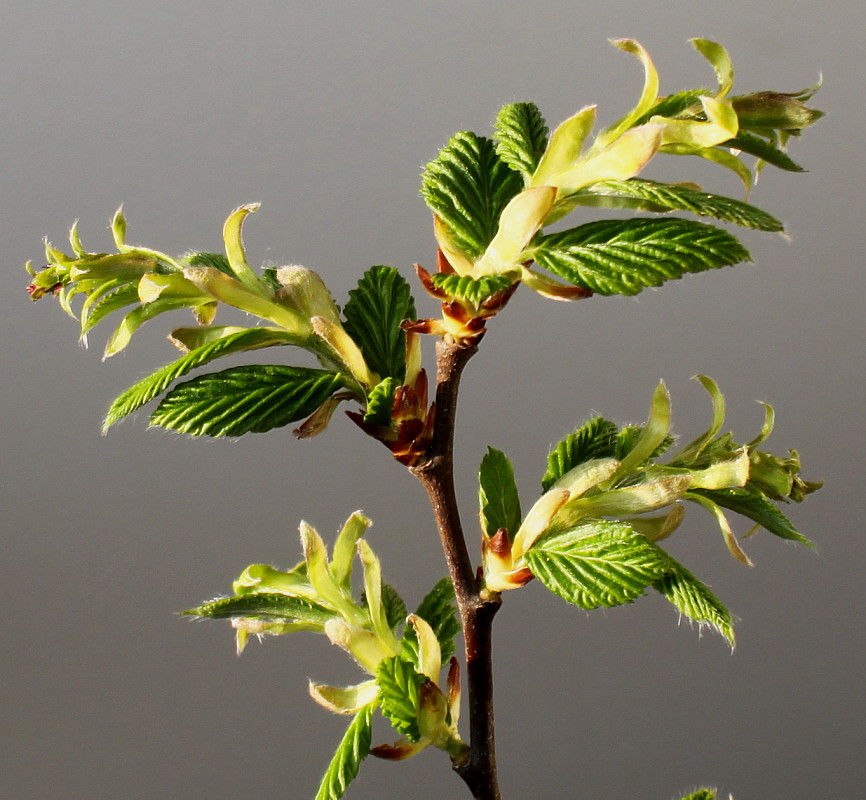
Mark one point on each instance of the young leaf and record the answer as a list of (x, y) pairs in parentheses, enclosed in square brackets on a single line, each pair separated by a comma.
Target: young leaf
[(702, 794), (594, 439), (764, 150), (694, 600), (471, 290), (521, 137), (141, 314), (148, 388), (438, 610), (100, 304), (758, 509), (381, 301), (497, 494), (468, 185), (215, 260), (352, 750), (597, 563), (380, 403), (398, 683), (266, 605), (646, 195), (395, 608), (248, 399), (626, 256)]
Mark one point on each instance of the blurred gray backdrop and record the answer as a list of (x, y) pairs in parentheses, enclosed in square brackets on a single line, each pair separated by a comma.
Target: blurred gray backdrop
[(325, 112)]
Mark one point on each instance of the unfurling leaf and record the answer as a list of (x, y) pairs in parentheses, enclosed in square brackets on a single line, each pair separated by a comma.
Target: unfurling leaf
[(381, 301), (594, 439), (521, 137), (438, 610), (352, 750), (247, 399), (264, 605), (399, 683), (468, 185), (497, 494)]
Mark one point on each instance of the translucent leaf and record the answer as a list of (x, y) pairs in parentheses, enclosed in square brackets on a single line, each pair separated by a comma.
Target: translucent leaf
[(352, 750), (263, 605), (154, 384), (345, 548), (438, 609), (497, 494), (398, 684), (344, 699), (373, 313), (694, 600), (247, 399), (100, 304), (565, 147), (626, 256), (521, 137), (138, 316), (468, 185), (645, 195), (597, 563), (235, 253), (594, 439)]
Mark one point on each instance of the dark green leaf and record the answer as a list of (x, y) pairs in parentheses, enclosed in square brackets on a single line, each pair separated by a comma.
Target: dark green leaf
[(468, 185), (472, 290), (380, 403), (398, 686), (248, 399), (598, 563), (438, 610), (154, 384), (352, 750), (694, 600), (661, 197), (216, 260), (629, 436), (497, 494), (593, 439), (758, 509), (381, 301), (763, 149), (263, 605), (521, 136), (677, 105), (626, 256)]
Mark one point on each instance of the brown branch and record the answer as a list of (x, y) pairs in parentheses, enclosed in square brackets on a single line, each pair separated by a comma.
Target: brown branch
[(436, 473)]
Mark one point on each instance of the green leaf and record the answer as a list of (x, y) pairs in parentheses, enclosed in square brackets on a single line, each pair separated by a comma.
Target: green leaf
[(395, 608), (215, 260), (380, 403), (645, 195), (758, 509), (472, 290), (694, 599), (267, 605), (154, 384), (497, 494), (521, 137), (594, 439), (597, 563), (676, 105), (702, 794), (100, 304), (352, 750), (764, 150), (141, 314), (248, 399), (626, 256), (468, 185), (399, 683), (438, 611), (381, 301)]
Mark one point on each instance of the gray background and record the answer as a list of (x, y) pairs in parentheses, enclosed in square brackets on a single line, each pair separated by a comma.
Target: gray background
[(325, 113)]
